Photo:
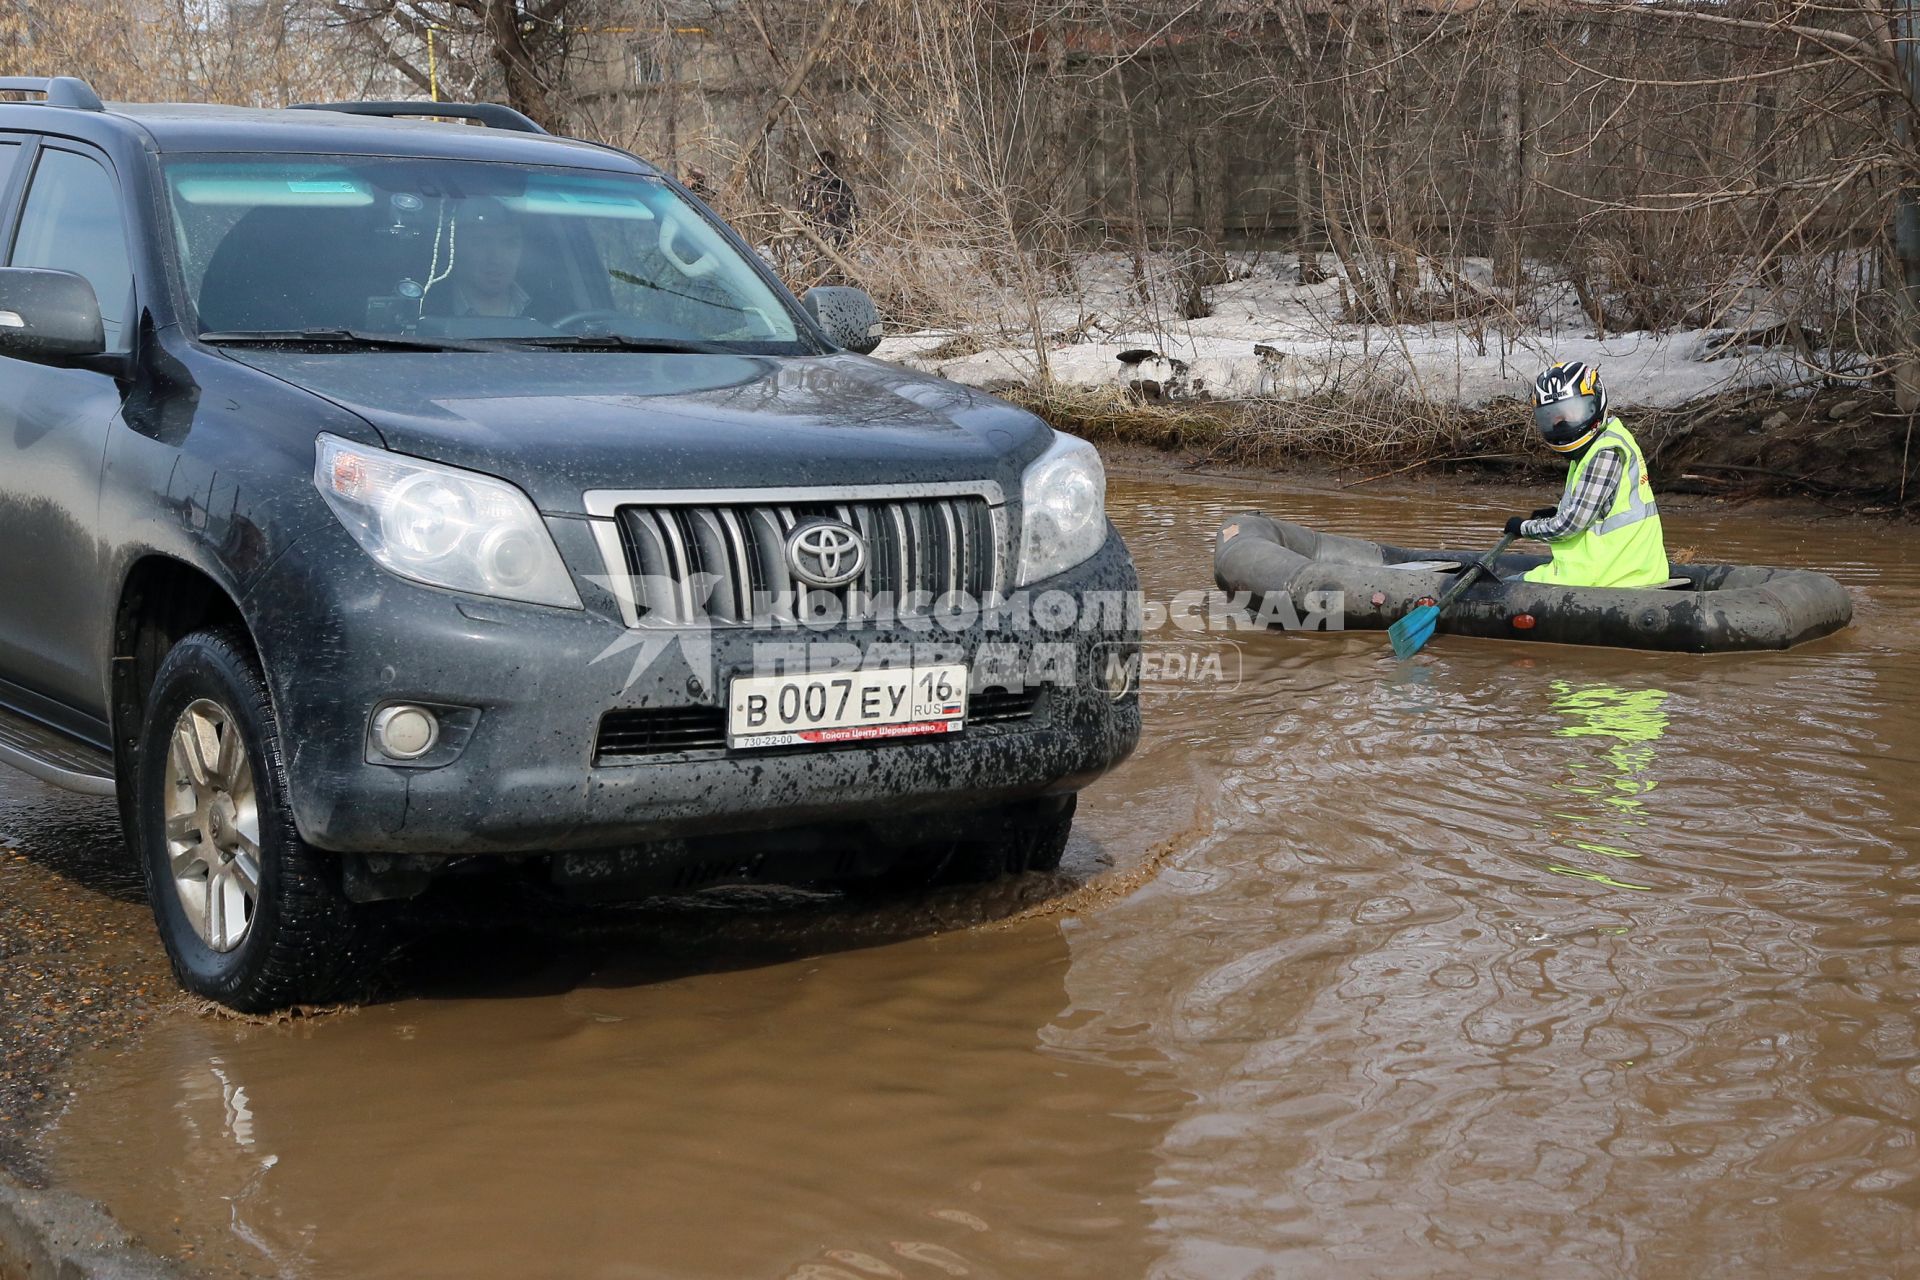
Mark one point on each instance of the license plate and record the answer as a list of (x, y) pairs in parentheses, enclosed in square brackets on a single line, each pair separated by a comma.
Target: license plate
[(849, 706)]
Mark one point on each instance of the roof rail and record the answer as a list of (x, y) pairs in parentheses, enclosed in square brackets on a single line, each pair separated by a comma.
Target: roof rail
[(61, 91), (491, 114)]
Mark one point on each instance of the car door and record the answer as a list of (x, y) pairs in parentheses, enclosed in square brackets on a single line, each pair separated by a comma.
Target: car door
[(54, 428)]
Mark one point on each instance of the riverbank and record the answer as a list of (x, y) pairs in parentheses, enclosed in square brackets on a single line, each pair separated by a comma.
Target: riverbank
[(1262, 369), (1849, 451)]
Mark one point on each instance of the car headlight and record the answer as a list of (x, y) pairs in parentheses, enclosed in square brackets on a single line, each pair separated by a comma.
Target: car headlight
[(1063, 509), (443, 526)]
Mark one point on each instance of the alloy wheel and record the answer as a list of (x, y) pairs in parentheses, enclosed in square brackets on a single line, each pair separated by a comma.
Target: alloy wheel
[(213, 824)]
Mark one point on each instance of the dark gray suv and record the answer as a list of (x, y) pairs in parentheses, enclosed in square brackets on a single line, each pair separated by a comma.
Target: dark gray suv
[(386, 497)]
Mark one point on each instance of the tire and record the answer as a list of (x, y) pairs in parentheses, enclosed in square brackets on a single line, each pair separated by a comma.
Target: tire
[(251, 916), (1049, 840), (1025, 841), (1034, 842)]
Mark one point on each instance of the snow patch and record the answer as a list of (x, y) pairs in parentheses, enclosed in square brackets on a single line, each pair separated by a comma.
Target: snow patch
[(1269, 336)]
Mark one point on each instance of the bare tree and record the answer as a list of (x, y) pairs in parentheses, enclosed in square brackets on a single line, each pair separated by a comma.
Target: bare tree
[(253, 52), (1748, 166), (520, 45)]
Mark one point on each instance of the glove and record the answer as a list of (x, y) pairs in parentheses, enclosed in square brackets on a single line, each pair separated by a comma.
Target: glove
[(1544, 513), (1513, 526)]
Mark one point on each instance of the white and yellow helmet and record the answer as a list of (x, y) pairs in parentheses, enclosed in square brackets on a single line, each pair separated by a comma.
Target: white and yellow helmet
[(1569, 405)]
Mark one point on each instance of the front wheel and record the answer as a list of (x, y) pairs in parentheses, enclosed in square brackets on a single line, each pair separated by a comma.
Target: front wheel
[(1026, 838), (1027, 841), (250, 915)]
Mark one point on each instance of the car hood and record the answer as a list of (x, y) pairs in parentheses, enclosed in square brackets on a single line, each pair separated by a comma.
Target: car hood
[(560, 423)]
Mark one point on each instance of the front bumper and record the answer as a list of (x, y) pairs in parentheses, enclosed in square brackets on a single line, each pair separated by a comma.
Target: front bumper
[(339, 636)]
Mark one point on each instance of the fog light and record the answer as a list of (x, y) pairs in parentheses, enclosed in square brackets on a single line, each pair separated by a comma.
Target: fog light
[(405, 732)]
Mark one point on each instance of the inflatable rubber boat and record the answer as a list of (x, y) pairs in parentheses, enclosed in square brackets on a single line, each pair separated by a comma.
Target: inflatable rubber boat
[(1704, 608)]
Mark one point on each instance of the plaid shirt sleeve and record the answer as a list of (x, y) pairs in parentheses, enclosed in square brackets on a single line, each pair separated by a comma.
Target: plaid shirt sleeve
[(1588, 501)]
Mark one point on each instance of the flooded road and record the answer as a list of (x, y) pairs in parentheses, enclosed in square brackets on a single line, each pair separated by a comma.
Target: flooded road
[(1507, 961)]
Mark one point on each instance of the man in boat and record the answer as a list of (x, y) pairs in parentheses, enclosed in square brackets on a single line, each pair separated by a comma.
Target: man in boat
[(1605, 531)]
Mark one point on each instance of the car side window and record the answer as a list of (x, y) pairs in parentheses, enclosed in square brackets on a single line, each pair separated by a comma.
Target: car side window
[(72, 222), (9, 157)]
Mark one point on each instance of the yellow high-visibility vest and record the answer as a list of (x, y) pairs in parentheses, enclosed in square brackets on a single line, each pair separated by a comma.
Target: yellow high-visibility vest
[(1625, 547)]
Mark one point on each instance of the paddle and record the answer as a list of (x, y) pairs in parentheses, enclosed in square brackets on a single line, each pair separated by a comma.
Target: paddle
[(1414, 630)]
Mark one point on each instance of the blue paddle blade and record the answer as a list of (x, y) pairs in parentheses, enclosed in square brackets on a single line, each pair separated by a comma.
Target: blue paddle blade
[(1413, 631)]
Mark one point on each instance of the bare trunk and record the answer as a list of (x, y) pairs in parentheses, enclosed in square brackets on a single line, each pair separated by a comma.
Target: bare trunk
[(796, 77), (1395, 174), (528, 90), (1309, 156), (1360, 303), (1508, 247), (1057, 182), (1207, 168), (1906, 217), (1136, 214)]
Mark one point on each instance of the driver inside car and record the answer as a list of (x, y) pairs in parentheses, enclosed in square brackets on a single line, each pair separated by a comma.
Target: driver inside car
[(483, 276)]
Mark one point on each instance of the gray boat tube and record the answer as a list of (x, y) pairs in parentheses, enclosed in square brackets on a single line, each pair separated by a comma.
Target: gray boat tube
[(1706, 608)]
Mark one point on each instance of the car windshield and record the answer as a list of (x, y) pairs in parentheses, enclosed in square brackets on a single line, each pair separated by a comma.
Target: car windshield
[(373, 249)]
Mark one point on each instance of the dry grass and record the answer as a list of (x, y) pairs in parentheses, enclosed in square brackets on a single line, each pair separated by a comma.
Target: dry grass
[(1111, 414), (1366, 431), (1839, 445)]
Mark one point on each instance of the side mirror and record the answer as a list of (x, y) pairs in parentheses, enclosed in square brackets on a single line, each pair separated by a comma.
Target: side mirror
[(49, 317), (847, 314)]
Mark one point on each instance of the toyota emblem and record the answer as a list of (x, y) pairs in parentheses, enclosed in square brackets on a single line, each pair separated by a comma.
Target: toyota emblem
[(826, 553)]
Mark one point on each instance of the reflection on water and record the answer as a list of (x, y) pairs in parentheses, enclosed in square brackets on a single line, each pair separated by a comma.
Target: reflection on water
[(893, 1110), (1612, 783), (1508, 961)]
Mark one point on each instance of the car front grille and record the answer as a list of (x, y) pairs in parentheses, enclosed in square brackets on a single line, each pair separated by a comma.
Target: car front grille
[(656, 731), (634, 733), (727, 563), (1002, 706)]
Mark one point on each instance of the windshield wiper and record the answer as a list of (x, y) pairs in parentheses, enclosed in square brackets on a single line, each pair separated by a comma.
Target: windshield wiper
[(621, 342), (341, 338)]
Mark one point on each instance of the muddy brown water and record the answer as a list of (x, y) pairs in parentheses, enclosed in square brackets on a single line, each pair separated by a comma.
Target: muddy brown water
[(1509, 961)]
